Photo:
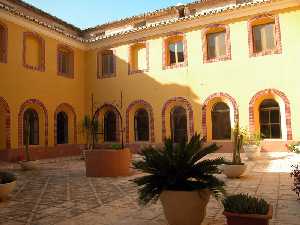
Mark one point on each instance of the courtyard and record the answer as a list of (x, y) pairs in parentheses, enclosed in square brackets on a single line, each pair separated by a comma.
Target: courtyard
[(60, 193)]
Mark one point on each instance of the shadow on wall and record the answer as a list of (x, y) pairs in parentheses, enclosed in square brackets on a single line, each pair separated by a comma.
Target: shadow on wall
[(159, 92)]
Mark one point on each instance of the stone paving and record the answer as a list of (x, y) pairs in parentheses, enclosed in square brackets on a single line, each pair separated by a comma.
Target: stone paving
[(59, 193)]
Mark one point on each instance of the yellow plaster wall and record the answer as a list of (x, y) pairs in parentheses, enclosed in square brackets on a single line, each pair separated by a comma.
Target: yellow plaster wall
[(242, 77), (19, 84)]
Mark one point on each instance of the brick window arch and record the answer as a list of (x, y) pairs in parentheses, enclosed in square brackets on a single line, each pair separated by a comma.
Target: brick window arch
[(140, 104), (37, 104), (169, 104), (3, 43), (268, 28), (285, 110), (219, 97), (107, 107), (175, 51), (216, 44), (4, 107), (33, 51), (72, 120), (65, 61), (138, 58)]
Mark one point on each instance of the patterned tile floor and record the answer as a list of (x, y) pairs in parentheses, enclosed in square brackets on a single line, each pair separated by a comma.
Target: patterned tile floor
[(59, 193)]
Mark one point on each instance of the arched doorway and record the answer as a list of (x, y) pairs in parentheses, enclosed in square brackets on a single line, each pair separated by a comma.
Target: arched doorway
[(179, 124), (269, 119), (62, 128), (110, 122), (141, 125), (31, 126), (220, 116)]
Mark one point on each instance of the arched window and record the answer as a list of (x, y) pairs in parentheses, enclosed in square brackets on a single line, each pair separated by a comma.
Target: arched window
[(178, 124), (110, 122), (220, 116), (62, 128), (269, 118), (141, 125), (31, 127)]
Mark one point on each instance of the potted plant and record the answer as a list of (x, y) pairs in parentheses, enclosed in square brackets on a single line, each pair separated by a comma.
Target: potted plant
[(235, 168), (178, 175), (7, 184), (296, 174), (251, 145), (246, 210), (111, 161), (27, 164)]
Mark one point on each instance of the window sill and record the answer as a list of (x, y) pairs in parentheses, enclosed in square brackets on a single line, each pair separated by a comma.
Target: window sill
[(106, 76), (265, 53), (173, 66), (135, 72), (66, 75), (36, 68), (217, 59)]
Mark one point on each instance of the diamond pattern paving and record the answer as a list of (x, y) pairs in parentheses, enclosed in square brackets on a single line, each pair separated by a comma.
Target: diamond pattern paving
[(59, 193)]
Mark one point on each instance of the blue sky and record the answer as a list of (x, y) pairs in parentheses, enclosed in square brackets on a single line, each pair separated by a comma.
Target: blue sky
[(89, 13)]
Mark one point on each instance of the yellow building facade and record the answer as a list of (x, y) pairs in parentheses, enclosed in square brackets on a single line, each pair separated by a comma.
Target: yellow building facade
[(199, 67)]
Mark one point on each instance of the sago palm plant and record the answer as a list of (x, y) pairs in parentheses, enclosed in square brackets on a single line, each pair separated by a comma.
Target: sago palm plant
[(178, 167)]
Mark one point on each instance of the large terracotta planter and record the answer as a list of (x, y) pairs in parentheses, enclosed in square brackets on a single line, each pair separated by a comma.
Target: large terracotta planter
[(6, 189), (252, 152), (234, 171), (185, 207), (108, 163), (249, 219)]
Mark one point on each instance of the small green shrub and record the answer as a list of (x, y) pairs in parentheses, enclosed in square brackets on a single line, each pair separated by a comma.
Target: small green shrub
[(6, 177), (294, 147), (245, 204), (116, 146)]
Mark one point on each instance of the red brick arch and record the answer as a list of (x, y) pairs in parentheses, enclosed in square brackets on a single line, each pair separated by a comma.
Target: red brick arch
[(4, 105), (180, 101), (287, 109), (20, 119), (223, 96), (113, 108), (145, 105), (60, 108)]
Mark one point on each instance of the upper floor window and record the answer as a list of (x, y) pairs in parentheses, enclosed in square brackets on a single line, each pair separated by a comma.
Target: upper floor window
[(216, 43), (138, 58), (106, 64), (65, 61), (264, 35), (3, 43), (33, 51), (174, 52)]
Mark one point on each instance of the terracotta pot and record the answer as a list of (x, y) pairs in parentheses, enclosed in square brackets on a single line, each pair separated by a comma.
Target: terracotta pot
[(252, 152), (108, 163), (6, 189), (185, 207), (28, 165), (234, 171), (249, 219)]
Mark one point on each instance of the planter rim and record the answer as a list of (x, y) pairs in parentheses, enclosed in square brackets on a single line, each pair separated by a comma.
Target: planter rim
[(196, 190), (269, 215), (1, 185)]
